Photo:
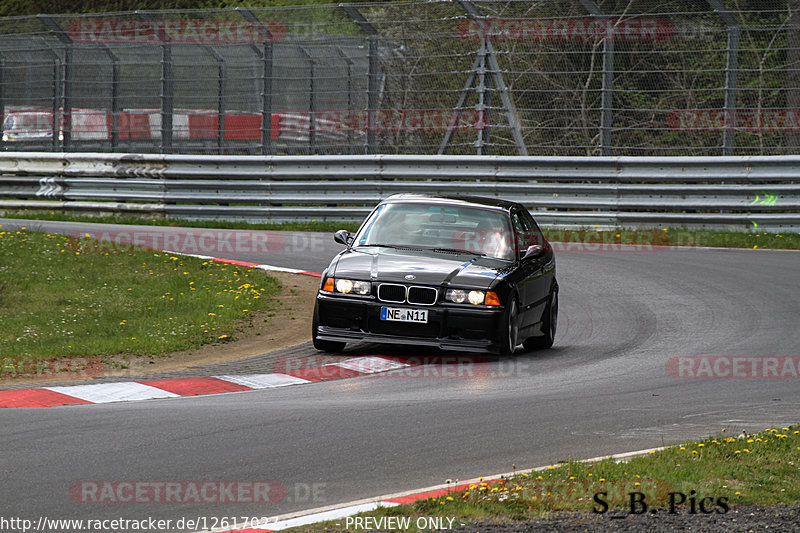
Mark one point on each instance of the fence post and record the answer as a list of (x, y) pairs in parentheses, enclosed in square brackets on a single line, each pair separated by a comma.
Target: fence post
[(731, 76), (2, 102), (55, 29), (607, 90), (312, 129), (372, 74), (56, 131), (167, 85), (167, 101), (114, 97), (266, 79), (56, 107), (483, 94), (221, 73), (349, 95)]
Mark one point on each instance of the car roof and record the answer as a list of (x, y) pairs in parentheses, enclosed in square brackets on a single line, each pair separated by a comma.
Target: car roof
[(454, 200)]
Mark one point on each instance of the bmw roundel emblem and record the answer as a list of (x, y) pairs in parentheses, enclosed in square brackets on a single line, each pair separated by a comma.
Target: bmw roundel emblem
[(409, 277)]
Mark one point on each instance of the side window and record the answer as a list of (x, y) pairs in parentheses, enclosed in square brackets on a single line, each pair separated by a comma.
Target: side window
[(538, 237), (523, 230)]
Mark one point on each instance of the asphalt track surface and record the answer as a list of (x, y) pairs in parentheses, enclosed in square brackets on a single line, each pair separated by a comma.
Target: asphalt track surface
[(603, 388)]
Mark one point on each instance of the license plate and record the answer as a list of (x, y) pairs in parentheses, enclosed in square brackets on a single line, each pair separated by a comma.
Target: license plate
[(398, 314)]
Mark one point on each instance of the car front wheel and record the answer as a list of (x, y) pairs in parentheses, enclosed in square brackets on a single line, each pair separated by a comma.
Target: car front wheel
[(510, 328)]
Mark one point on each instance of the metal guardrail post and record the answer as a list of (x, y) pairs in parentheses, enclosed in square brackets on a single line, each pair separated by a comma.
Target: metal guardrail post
[(731, 76), (266, 79)]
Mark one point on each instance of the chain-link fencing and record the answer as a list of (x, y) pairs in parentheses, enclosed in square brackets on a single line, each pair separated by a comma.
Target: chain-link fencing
[(555, 77)]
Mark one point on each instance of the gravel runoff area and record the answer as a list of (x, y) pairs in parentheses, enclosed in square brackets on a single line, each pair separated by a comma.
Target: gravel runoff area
[(746, 518)]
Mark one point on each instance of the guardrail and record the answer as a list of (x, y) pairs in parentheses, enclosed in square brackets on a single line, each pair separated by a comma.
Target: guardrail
[(721, 192)]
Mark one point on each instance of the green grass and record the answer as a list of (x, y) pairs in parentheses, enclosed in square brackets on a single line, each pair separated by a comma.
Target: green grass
[(751, 469), (66, 297), (660, 237), (311, 225)]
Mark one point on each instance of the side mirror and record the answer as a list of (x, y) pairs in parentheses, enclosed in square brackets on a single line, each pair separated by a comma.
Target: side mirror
[(342, 237), (533, 251)]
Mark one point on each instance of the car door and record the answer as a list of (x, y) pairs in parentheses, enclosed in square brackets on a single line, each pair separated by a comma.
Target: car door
[(534, 285)]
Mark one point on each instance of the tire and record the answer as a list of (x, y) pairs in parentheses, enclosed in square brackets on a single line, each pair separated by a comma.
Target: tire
[(321, 345), (510, 327), (550, 321)]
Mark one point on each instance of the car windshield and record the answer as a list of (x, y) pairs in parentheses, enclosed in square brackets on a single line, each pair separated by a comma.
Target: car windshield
[(418, 225)]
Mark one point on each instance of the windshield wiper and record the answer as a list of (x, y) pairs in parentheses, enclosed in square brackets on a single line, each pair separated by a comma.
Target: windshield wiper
[(395, 246), (455, 250)]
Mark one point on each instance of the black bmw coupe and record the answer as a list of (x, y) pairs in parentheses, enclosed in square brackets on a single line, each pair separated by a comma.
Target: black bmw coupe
[(461, 273)]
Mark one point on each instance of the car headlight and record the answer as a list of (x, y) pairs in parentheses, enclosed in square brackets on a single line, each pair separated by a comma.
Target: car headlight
[(475, 297), (348, 286)]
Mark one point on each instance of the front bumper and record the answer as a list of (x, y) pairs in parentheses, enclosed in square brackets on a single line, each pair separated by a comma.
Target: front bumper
[(449, 326)]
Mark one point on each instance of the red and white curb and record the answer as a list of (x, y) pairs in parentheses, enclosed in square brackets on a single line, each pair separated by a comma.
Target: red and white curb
[(192, 386), (337, 512), (268, 268)]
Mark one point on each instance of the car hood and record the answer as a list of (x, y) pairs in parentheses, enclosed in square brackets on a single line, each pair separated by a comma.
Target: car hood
[(428, 267)]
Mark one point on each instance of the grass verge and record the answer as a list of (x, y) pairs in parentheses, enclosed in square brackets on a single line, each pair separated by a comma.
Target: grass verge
[(61, 296), (723, 472), (590, 236), (312, 225)]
